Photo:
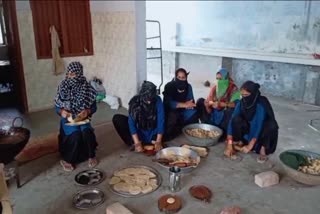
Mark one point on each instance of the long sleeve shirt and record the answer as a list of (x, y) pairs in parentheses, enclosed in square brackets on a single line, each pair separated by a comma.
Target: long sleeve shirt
[(256, 124), (68, 130), (187, 113), (146, 135)]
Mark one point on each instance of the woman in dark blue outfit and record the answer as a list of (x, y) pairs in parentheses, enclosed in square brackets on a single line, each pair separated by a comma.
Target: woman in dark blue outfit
[(76, 98), (253, 125), (179, 104), (145, 124)]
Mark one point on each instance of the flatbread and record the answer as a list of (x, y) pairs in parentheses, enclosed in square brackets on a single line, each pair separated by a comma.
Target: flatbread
[(114, 180), (121, 187), (147, 188), (120, 173), (134, 190)]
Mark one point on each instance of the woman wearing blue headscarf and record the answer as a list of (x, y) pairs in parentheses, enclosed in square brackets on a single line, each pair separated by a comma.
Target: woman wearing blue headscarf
[(76, 98)]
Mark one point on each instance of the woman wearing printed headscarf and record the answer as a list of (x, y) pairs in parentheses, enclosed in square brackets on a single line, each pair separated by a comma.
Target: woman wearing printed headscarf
[(179, 104), (145, 124), (253, 126), (219, 105), (77, 99)]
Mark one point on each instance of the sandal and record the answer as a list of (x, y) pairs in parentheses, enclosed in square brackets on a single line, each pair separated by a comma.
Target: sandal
[(262, 159), (92, 162), (67, 167)]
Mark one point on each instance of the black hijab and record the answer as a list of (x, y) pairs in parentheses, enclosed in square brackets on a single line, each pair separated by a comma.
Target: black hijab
[(142, 107), (249, 103), (177, 89)]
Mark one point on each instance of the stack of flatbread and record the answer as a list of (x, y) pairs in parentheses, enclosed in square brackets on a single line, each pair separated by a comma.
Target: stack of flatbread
[(134, 181)]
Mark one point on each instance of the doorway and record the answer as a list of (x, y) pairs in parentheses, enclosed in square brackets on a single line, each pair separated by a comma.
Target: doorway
[(12, 83)]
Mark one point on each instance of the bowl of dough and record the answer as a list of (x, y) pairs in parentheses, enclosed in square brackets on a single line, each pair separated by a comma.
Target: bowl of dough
[(201, 134), (302, 166)]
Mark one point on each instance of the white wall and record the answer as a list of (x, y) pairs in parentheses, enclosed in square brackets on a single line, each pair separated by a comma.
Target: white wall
[(118, 52)]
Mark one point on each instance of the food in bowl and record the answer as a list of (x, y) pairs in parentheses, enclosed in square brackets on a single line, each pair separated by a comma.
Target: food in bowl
[(201, 133), (312, 167), (173, 159)]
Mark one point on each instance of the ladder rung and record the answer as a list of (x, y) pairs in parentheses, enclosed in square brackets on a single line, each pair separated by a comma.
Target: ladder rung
[(154, 37), (154, 48), (154, 57)]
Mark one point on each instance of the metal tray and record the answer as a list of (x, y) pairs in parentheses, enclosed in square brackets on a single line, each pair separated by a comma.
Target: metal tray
[(89, 177), (88, 198), (128, 195), (179, 151)]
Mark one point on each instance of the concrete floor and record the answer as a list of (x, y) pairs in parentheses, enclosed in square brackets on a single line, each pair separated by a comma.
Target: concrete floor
[(50, 190)]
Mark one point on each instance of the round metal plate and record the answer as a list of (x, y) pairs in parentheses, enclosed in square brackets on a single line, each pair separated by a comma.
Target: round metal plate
[(89, 177), (89, 198), (128, 195), (180, 151)]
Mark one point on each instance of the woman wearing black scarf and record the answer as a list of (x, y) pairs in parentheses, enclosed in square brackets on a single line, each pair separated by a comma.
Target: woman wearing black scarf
[(77, 99), (145, 124), (253, 124), (179, 104)]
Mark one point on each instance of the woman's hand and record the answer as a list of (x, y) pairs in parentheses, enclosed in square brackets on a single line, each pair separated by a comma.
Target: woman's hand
[(246, 149), (84, 114), (157, 145), (229, 151), (64, 113), (138, 147), (190, 104), (214, 104)]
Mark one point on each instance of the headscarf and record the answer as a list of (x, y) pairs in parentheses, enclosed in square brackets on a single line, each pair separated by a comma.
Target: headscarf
[(75, 94), (177, 89), (249, 103), (223, 83), (142, 107)]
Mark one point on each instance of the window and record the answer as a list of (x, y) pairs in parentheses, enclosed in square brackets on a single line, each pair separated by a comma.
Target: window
[(3, 39), (72, 21)]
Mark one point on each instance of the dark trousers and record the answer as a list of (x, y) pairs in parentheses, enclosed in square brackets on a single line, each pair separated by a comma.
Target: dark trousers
[(268, 137), (205, 117), (77, 147), (174, 123), (120, 123)]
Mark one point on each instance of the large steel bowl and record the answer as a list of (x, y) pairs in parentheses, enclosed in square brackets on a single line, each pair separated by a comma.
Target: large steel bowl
[(202, 141), (297, 175), (180, 151)]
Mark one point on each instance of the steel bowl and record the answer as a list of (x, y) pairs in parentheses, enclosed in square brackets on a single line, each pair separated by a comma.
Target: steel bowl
[(89, 177), (301, 177), (88, 198), (163, 153), (202, 141)]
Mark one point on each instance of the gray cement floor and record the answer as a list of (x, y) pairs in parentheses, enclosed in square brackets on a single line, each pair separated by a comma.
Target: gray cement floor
[(50, 190)]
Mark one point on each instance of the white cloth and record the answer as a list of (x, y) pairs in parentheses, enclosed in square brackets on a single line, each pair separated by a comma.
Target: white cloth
[(57, 61)]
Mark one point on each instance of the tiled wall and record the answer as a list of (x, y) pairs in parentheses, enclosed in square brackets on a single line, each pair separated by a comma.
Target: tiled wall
[(114, 59)]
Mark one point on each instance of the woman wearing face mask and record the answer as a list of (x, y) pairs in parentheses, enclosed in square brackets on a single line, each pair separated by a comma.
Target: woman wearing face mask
[(253, 126), (145, 124), (179, 104), (77, 99), (218, 107)]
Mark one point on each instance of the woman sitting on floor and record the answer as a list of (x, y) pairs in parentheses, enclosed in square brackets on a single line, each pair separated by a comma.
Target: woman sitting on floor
[(145, 124), (219, 105), (77, 99), (179, 104), (253, 126)]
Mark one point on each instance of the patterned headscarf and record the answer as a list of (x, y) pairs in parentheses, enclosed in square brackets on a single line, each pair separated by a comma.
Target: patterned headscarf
[(75, 94), (142, 107)]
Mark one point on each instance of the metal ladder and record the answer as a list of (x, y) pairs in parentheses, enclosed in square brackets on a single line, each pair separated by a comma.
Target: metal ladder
[(157, 48)]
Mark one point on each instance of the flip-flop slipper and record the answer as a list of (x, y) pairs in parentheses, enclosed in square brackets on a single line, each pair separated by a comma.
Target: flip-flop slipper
[(262, 160), (66, 168)]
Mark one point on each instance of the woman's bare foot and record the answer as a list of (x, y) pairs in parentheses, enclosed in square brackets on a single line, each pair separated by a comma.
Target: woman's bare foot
[(263, 156), (67, 167), (92, 162)]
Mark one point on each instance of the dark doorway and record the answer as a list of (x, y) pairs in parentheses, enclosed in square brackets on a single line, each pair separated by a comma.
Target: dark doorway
[(12, 83)]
